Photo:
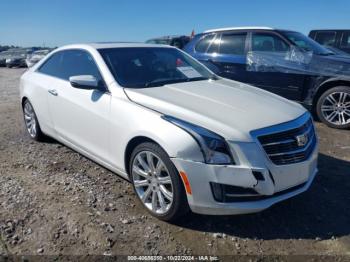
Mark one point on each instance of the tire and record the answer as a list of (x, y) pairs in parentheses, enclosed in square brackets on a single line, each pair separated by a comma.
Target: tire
[(333, 107), (154, 184), (31, 122)]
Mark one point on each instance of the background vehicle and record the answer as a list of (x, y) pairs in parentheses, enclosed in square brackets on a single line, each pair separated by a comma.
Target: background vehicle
[(3, 56), (337, 51), (178, 41), (17, 57), (336, 38), (283, 62), (146, 112), (36, 56)]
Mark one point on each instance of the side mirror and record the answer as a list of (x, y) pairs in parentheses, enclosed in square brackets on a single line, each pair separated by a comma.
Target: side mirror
[(84, 82)]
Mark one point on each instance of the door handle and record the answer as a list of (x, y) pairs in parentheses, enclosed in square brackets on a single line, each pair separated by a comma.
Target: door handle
[(53, 92)]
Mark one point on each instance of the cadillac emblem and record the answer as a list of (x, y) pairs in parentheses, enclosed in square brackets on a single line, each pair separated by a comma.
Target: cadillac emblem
[(302, 140)]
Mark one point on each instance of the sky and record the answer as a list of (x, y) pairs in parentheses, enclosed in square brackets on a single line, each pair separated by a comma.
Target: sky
[(59, 22)]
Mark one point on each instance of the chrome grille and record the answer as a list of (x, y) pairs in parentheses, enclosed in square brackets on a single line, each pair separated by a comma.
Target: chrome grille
[(290, 146)]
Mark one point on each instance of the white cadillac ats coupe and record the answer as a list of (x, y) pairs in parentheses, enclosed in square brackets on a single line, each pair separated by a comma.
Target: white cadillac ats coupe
[(185, 138)]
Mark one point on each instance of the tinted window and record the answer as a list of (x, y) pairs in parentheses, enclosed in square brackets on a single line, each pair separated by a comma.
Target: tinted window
[(346, 39), (268, 43), (204, 42), (214, 46), (306, 43), (233, 44), (52, 66), (326, 38), (78, 62), (69, 63), (144, 67)]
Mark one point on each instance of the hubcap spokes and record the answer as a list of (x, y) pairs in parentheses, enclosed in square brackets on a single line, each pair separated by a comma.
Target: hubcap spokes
[(152, 182), (29, 119), (336, 108)]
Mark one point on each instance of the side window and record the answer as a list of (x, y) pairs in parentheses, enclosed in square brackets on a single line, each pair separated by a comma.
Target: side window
[(268, 43), (79, 62), (204, 42), (52, 66), (326, 38), (345, 41), (233, 44), (214, 46)]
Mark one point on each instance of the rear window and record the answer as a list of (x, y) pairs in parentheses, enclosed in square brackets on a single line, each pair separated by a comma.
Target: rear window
[(326, 38), (233, 44)]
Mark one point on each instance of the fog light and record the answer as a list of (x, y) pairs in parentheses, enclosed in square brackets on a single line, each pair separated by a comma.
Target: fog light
[(218, 191)]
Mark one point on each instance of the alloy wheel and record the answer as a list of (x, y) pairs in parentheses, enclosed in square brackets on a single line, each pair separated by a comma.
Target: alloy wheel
[(336, 108), (30, 119), (152, 182)]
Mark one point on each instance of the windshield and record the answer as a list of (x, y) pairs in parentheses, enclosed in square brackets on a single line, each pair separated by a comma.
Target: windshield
[(140, 67), (306, 43)]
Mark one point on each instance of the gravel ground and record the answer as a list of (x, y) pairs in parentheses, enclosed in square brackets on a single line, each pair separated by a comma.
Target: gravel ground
[(55, 201)]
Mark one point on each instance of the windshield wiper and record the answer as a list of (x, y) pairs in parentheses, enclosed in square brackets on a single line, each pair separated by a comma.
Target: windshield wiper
[(200, 78), (156, 82)]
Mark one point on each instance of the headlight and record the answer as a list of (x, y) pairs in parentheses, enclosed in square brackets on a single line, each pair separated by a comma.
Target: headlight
[(214, 148)]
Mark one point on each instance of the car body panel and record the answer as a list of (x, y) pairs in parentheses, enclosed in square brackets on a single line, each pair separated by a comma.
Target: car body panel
[(225, 107)]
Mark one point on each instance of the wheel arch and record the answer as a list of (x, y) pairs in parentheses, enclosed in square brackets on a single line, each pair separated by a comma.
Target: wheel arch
[(132, 144), (326, 86), (24, 98)]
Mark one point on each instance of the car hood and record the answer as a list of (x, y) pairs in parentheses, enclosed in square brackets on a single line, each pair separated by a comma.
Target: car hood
[(228, 108)]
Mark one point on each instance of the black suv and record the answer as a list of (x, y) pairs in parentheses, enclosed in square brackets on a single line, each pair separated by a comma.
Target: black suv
[(339, 39), (284, 62)]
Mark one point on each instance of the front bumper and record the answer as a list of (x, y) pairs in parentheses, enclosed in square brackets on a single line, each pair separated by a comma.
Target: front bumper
[(275, 183), (202, 200)]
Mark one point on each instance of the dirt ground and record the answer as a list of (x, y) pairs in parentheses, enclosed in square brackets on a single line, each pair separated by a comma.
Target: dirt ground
[(55, 201)]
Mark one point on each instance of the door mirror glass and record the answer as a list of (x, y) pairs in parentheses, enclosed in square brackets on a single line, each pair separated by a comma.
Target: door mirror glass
[(84, 82)]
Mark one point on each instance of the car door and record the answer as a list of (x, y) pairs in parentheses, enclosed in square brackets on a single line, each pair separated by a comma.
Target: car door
[(272, 65), (43, 79), (224, 54), (229, 54), (80, 117)]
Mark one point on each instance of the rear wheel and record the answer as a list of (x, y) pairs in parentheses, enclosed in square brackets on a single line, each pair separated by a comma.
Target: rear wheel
[(31, 122), (333, 107), (157, 183)]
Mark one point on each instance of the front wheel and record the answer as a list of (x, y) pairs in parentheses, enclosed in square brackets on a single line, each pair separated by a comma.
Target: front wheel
[(157, 183), (333, 107)]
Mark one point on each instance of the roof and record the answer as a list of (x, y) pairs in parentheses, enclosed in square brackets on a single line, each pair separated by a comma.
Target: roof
[(111, 45), (238, 28)]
